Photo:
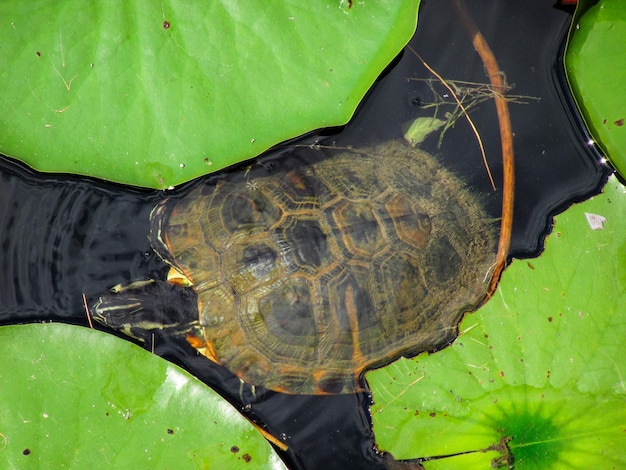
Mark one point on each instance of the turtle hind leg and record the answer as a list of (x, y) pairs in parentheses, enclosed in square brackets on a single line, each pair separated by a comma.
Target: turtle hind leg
[(195, 337), (143, 309)]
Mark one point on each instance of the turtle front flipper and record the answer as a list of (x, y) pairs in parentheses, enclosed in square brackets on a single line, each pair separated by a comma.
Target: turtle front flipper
[(144, 308)]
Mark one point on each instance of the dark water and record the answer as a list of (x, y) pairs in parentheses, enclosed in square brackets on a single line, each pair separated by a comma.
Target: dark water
[(65, 236)]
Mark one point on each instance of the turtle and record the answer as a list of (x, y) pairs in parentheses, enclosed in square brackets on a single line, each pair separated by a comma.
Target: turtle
[(300, 280)]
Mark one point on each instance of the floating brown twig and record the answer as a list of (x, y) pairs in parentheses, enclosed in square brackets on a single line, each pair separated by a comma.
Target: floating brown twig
[(87, 311), (506, 139)]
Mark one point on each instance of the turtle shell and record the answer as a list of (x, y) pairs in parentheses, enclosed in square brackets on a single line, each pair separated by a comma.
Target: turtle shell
[(307, 278)]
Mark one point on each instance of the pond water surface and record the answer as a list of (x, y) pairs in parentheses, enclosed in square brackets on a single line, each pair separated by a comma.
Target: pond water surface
[(64, 236)]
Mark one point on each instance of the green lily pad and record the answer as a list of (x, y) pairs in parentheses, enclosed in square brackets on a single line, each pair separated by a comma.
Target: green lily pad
[(537, 375), (78, 398), (596, 69), (157, 93)]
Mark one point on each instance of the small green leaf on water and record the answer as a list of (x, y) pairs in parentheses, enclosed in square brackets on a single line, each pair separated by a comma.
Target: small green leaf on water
[(540, 368), (421, 128)]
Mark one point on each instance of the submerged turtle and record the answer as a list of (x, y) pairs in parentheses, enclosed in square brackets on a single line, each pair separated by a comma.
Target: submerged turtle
[(303, 279)]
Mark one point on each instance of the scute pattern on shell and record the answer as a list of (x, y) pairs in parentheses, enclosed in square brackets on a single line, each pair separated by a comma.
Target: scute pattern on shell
[(308, 278)]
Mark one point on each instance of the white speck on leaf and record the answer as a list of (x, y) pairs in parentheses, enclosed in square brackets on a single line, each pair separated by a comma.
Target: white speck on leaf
[(595, 221)]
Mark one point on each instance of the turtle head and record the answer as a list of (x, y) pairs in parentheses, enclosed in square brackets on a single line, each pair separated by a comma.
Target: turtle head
[(145, 308)]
